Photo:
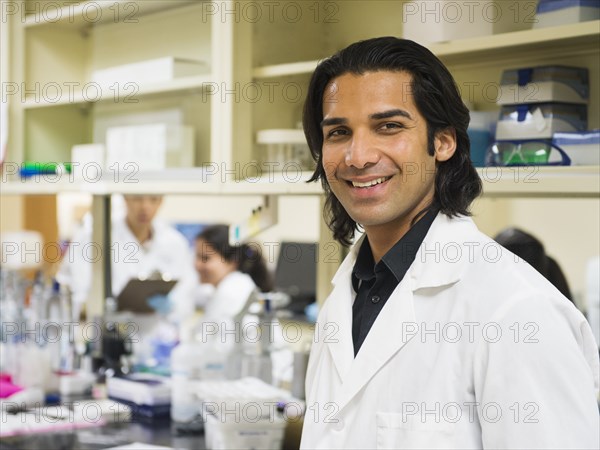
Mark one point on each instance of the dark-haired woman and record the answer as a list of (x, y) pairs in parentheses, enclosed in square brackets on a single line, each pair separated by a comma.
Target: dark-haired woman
[(234, 271)]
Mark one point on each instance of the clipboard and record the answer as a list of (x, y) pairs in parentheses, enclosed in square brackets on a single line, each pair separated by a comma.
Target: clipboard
[(134, 296)]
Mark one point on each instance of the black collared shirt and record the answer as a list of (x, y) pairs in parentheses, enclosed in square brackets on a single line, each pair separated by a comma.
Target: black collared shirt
[(374, 283)]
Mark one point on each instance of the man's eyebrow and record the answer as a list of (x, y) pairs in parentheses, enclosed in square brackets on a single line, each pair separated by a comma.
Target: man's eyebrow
[(333, 121), (389, 114)]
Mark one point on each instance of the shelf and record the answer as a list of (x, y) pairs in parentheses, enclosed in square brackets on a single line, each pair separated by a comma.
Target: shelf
[(291, 183), (281, 70), (555, 41), (124, 94), (89, 13), (564, 39), (178, 182), (577, 181), (532, 181)]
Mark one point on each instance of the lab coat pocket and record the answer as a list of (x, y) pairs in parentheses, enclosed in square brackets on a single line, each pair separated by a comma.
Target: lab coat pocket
[(395, 431)]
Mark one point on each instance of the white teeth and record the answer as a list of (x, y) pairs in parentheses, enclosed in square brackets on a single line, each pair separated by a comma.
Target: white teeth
[(369, 183)]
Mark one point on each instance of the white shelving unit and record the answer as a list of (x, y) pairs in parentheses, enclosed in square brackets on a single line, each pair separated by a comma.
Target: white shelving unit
[(273, 56), (83, 35)]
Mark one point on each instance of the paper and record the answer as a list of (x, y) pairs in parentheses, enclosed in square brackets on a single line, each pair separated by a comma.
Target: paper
[(135, 294)]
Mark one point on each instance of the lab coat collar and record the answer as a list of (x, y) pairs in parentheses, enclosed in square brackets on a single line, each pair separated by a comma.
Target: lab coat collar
[(434, 266), (445, 252), (441, 257), (339, 320)]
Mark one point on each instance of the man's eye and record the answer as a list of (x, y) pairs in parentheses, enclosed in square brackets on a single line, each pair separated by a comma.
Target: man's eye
[(391, 126), (336, 132)]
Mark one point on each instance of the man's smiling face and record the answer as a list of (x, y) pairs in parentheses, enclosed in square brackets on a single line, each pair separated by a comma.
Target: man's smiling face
[(375, 149)]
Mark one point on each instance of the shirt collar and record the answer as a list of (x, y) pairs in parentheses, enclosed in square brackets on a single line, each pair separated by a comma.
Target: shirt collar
[(399, 258)]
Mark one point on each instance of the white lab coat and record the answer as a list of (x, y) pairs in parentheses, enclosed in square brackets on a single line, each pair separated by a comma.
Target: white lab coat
[(167, 252), (417, 383), (229, 297), (226, 301)]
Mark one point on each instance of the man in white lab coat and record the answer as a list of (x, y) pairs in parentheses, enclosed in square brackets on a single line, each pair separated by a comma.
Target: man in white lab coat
[(434, 336), (141, 245)]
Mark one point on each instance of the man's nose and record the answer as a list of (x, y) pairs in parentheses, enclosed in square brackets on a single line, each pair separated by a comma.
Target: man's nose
[(362, 151)]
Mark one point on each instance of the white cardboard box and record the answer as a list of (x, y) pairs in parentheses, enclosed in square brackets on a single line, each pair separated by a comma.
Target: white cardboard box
[(149, 147), (150, 71), (429, 21)]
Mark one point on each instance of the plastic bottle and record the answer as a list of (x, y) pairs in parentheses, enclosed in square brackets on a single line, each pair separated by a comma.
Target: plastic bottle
[(193, 361)]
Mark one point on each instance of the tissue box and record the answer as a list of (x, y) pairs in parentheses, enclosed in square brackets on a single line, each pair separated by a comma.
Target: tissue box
[(149, 147), (540, 121), (428, 21), (150, 71), (551, 13), (583, 148), (544, 84)]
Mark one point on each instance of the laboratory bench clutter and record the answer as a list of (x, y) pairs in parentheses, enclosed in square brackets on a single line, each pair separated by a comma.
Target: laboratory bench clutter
[(112, 382)]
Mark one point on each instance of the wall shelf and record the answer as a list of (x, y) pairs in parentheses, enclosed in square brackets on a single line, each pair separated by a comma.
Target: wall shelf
[(554, 41), (281, 70), (125, 93), (576, 181), (532, 181), (564, 39)]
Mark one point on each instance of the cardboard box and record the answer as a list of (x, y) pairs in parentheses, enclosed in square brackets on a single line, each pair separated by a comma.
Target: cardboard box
[(429, 21), (151, 71), (149, 147)]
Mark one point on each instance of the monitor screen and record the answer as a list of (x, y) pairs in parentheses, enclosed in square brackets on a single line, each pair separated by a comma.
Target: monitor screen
[(296, 273)]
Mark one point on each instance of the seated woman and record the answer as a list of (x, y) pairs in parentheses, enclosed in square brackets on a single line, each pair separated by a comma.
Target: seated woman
[(234, 271)]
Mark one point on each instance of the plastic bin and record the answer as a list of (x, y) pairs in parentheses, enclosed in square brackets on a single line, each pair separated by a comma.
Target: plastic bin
[(544, 84)]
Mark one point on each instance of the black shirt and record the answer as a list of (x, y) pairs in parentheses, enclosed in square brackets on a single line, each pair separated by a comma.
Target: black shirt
[(374, 283)]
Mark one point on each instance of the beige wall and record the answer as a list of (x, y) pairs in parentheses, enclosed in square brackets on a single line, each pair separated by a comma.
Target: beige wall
[(11, 213), (567, 227)]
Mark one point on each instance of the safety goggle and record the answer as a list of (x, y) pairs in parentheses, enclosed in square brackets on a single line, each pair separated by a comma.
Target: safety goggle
[(526, 153)]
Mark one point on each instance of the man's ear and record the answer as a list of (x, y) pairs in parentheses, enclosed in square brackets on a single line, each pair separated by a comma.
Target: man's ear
[(445, 144)]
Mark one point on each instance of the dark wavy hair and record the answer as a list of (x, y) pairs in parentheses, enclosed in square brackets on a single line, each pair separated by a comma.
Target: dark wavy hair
[(437, 99), (531, 249), (248, 258)]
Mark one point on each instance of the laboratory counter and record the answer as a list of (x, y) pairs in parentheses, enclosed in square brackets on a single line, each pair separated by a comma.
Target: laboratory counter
[(114, 434), (158, 432)]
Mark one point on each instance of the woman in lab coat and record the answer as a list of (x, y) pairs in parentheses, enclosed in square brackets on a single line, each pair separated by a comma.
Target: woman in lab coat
[(471, 347), (234, 272)]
